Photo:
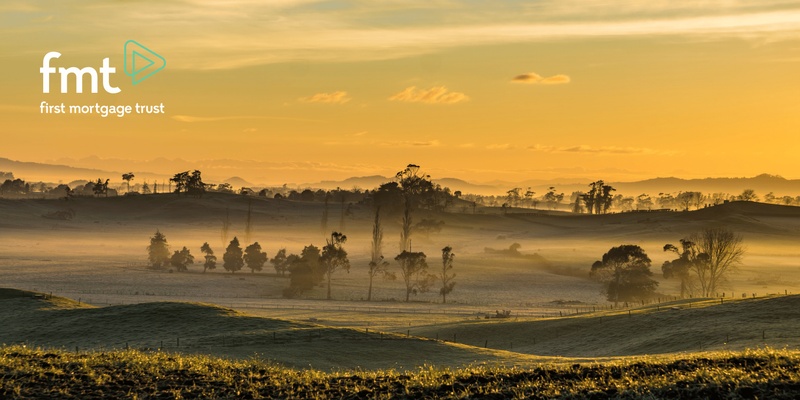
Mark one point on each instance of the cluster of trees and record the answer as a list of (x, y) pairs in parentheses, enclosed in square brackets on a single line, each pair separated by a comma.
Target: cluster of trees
[(313, 265), (704, 260), (516, 198)]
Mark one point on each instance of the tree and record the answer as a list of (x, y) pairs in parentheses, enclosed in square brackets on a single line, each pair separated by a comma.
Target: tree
[(304, 271), (689, 199), (334, 257), (100, 188), (254, 257), (446, 277), (377, 265), (722, 252), (513, 196), (15, 186), (552, 199), (190, 184), (128, 178), (158, 250), (181, 180), (414, 187), (280, 262), (181, 259), (682, 267), (195, 185), (625, 271), (748, 195), (233, 258), (644, 202), (211, 259), (577, 206), (146, 188), (414, 269)]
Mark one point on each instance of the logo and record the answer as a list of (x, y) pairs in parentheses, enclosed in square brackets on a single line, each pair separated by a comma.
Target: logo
[(141, 62)]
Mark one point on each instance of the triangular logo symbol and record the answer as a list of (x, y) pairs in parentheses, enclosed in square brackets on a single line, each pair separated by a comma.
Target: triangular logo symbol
[(141, 62)]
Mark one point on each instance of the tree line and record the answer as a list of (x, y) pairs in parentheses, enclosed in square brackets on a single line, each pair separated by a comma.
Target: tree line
[(410, 191), (312, 267)]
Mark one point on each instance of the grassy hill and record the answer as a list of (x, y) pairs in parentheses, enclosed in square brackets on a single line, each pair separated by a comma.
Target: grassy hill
[(28, 373), (682, 326), (208, 329)]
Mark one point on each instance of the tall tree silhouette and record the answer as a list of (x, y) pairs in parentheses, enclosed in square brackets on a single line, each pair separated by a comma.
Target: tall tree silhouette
[(445, 276), (377, 264), (128, 178), (334, 257)]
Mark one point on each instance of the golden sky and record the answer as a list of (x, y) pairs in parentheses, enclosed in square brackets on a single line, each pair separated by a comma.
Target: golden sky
[(310, 90)]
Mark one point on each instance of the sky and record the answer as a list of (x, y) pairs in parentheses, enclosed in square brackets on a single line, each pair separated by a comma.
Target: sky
[(309, 90)]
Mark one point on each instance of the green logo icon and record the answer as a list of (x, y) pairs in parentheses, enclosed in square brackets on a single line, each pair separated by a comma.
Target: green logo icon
[(141, 62)]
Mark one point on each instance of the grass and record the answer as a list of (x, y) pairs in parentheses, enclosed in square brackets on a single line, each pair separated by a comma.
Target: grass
[(37, 373), (680, 326), (194, 328)]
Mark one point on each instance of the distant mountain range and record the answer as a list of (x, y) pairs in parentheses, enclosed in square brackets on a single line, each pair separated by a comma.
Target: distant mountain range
[(762, 184)]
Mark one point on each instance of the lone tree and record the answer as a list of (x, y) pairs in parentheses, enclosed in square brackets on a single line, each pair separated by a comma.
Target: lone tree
[(710, 255), (414, 269), (254, 257), (128, 178), (334, 257), (211, 259), (377, 265), (446, 277), (232, 259), (158, 251), (625, 271), (181, 260), (280, 262)]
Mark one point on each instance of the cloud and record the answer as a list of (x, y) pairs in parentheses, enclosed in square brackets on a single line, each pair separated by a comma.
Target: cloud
[(503, 146), (255, 32), (602, 150), (536, 79), (412, 143), (434, 95), (338, 97), (192, 118)]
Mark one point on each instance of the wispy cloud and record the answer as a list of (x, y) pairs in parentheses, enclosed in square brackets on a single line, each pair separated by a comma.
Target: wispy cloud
[(584, 149), (434, 95), (412, 143), (192, 118), (533, 78), (253, 32), (501, 146), (338, 97)]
